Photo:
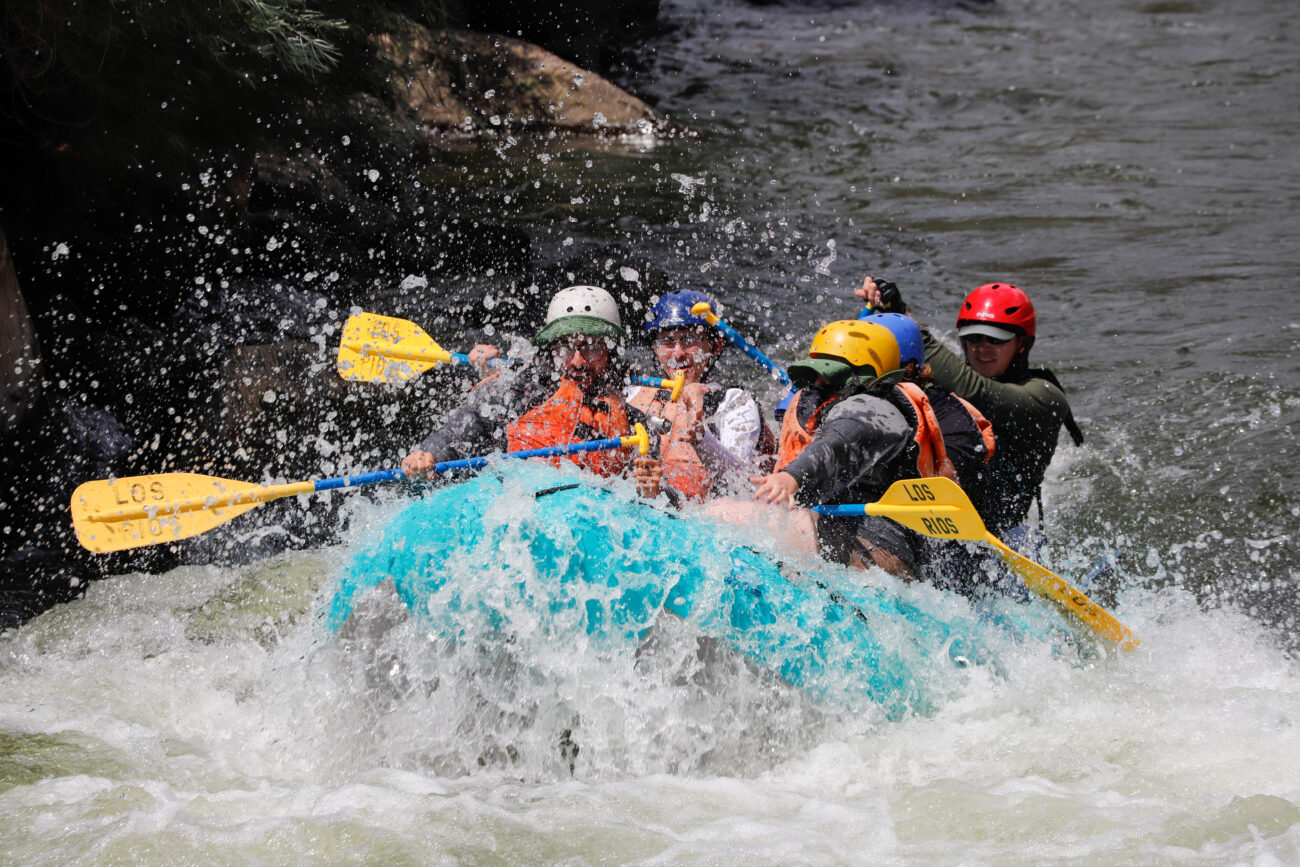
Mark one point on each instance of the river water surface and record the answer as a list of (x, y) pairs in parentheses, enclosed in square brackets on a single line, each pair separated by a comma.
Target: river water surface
[(1133, 166)]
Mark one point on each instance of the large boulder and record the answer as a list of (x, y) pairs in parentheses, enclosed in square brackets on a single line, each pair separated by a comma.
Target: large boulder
[(472, 82)]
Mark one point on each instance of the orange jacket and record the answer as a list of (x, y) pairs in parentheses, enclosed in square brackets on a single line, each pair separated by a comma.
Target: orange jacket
[(566, 418), (932, 457), (793, 437)]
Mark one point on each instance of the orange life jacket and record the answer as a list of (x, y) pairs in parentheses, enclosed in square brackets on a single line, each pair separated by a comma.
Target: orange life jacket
[(682, 466), (932, 457), (556, 421), (794, 438)]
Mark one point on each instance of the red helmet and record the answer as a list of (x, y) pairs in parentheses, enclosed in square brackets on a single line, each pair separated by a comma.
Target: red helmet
[(998, 304)]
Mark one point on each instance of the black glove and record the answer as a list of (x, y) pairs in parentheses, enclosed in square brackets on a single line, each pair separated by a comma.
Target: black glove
[(891, 300)]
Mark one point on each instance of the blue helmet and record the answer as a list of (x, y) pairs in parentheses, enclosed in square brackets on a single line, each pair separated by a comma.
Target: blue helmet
[(905, 331), (673, 310)]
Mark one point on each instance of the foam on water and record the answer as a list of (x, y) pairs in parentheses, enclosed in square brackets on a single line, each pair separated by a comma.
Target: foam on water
[(208, 714)]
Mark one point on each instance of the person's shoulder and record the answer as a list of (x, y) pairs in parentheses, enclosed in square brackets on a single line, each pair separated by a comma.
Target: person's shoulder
[(1043, 386), (498, 381), (525, 382), (866, 407)]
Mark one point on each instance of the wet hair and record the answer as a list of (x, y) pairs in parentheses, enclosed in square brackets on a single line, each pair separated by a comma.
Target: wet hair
[(921, 374)]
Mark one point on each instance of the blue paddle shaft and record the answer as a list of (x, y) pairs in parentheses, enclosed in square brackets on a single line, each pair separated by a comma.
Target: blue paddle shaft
[(847, 510), (396, 475), (492, 363), (356, 481), (733, 336)]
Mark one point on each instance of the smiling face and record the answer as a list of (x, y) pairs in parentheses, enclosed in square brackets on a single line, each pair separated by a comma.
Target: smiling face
[(583, 359), (988, 357), (687, 348)]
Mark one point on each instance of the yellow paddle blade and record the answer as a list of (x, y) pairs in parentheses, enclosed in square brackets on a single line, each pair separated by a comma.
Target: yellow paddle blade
[(935, 507), (938, 507), (135, 511), (386, 349)]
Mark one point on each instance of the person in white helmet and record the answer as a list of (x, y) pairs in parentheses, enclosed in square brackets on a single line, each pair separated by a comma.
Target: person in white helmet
[(571, 393)]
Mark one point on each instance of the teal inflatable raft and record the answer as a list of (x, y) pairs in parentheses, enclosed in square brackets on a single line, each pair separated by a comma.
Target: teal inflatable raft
[(590, 564)]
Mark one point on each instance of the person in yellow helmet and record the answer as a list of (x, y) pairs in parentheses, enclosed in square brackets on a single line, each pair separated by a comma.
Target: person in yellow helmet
[(860, 421)]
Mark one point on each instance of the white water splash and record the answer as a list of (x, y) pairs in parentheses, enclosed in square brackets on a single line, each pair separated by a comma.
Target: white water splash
[(203, 709)]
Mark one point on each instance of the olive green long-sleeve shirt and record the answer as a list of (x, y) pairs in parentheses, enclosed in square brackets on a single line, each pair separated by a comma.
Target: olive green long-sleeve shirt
[(1027, 417)]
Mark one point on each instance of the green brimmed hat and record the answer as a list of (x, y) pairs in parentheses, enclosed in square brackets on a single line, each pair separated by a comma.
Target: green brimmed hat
[(804, 373), (844, 349), (585, 310)]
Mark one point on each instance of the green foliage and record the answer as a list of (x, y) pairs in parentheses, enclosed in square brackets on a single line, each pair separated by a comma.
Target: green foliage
[(110, 101)]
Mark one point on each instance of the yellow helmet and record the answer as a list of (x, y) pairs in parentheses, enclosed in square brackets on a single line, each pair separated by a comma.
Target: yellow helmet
[(848, 347)]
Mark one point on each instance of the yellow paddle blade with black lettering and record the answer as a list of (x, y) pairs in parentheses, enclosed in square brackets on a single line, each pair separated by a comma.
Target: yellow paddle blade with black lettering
[(134, 511), (377, 348), (934, 507), (939, 508)]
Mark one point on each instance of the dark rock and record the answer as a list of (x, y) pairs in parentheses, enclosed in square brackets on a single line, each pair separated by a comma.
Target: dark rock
[(20, 356), (588, 32), (269, 389)]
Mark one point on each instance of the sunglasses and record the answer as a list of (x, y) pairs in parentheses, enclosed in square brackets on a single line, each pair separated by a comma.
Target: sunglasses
[(977, 339)]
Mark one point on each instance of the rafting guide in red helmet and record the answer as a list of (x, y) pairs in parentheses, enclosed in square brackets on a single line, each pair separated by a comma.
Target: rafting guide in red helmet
[(997, 326)]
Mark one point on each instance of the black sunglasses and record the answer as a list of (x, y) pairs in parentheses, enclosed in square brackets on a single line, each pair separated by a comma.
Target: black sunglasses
[(976, 339)]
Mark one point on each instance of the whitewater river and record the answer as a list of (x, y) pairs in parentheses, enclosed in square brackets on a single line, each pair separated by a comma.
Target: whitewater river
[(1133, 165)]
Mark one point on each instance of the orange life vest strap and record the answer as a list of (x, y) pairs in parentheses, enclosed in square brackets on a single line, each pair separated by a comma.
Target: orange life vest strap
[(932, 455), (983, 425), (794, 439)]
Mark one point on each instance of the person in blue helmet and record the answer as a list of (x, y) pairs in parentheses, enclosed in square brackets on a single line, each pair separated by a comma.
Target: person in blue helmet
[(954, 565), (715, 434)]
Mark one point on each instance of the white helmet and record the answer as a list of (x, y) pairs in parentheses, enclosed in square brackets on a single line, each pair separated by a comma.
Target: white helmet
[(586, 310)]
